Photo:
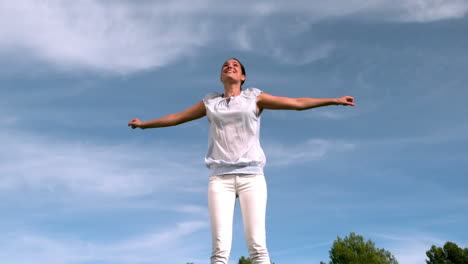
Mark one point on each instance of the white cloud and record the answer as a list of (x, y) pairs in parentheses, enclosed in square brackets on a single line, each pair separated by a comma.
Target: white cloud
[(91, 178), (318, 113), (399, 10), (283, 29), (328, 114), (42, 164), (431, 10), (409, 249), (242, 38), (92, 34), (156, 246), (158, 239), (439, 135), (306, 56), (335, 113), (311, 150), (191, 209), (124, 36), (294, 250), (264, 8)]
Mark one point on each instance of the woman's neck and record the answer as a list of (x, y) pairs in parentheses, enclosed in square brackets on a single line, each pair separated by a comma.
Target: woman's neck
[(232, 89)]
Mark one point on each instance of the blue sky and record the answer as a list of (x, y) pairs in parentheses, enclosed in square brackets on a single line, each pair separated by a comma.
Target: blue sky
[(78, 186)]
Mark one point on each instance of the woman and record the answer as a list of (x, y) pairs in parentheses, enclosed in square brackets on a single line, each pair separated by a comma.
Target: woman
[(235, 158)]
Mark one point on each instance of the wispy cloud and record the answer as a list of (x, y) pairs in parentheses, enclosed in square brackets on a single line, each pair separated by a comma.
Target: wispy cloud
[(294, 250), (41, 164), (429, 10), (124, 37), (400, 10), (82, 179), (115, 37), (437, 135), (411, 248), (157, 246), (319, 113), (311, 150), (328, 114), (304, 57)]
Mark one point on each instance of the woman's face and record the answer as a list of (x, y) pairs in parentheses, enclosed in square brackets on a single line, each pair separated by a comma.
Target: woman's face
[(232, 71)]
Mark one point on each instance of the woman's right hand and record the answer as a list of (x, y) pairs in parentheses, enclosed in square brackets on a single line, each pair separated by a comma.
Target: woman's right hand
[(134, 123)]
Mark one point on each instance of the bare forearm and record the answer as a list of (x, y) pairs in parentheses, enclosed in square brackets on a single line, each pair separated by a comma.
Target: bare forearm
[(192, 113), (308, 103), (169, 120), (266, 101)]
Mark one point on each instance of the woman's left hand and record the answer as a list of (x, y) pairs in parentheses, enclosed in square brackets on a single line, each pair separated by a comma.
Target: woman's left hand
[(345, 100)]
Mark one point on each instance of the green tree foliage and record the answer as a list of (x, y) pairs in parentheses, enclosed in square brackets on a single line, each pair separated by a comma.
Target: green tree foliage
[(354, 250), (451, 253), (244, 260)]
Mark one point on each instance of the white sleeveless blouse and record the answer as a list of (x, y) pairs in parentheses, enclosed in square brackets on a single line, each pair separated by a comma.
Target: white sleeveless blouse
[(234, 143)]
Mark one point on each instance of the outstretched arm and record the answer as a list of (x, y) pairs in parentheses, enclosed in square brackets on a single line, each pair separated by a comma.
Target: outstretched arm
[(192, 113), (267, 101)]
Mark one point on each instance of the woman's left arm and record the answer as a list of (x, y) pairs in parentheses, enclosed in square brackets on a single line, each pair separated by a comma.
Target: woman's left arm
[(267, 101)]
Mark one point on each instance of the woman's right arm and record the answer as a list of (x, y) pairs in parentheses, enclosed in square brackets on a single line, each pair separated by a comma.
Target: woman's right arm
[(192, 113)]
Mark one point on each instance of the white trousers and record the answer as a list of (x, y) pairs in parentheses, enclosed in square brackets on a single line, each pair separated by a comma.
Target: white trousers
[(252, 193)]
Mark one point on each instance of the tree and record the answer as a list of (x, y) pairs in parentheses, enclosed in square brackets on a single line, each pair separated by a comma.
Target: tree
[(244, 260), (354, 250), (451, 253)]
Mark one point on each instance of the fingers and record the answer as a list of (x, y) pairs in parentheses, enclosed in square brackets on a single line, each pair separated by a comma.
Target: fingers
[(348, 100), (134, 123)]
